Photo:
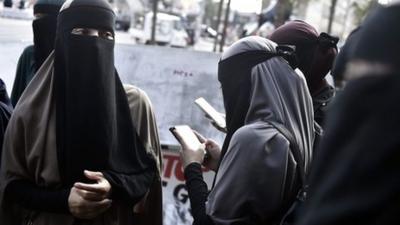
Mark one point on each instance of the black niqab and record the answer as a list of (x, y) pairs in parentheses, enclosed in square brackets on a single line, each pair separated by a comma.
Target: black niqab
[(380, 42), (44, 31), (234, 72), (94, 127)]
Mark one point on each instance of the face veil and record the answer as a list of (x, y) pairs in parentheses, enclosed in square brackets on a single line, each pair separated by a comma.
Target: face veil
[(44, 29), (94, 130)]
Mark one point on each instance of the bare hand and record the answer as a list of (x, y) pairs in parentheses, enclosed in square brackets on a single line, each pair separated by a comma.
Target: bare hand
[(86, 209), (87, 201), (213, 152), (97, 191), (190, 155), (218, 127)]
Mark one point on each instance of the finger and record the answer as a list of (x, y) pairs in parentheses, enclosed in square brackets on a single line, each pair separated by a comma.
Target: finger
[(89, 195), (92, 175), (98, 187), (201, 138), (211, 143)]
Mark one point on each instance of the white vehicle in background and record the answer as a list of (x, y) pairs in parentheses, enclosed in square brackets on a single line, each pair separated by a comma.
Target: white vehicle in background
[(169, 30)]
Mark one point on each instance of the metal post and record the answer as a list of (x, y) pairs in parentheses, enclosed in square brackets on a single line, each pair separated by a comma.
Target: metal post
[(331, 15), (227, 12), (221, 4), (154, 22)]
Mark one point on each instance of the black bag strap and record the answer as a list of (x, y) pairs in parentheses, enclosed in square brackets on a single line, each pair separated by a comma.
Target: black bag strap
[(295, 151)]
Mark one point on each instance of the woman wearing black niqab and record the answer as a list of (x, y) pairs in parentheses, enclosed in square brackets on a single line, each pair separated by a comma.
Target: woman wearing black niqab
[(75, 116), (258, 176), (355, 173), (44, 34)]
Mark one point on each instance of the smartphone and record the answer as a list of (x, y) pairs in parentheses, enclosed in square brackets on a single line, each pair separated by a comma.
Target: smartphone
[(187, 136), (211, 112)]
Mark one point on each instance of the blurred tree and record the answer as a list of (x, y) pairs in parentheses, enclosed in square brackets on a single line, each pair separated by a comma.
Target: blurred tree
[(226, 21), (332, 10), (210, 13)]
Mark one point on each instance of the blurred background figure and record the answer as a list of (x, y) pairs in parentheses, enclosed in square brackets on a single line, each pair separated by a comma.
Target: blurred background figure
[(315, 54), (44, 32), (8, 3), (355, 174)]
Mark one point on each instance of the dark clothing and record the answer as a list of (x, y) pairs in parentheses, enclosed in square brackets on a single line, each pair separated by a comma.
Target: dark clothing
[(77, 100), (355, 175), (315, 52), (25, 71), (254, 79), (31, 196), (198, 193), (339, 66), (44, 32), (387, 46), (5, 112), (94, 125), (321, 102)]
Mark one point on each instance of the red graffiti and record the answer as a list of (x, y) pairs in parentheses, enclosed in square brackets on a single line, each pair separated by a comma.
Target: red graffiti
[(173, 166)]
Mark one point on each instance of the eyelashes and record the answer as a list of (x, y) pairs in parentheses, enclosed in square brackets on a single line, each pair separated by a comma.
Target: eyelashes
[(108, 35)]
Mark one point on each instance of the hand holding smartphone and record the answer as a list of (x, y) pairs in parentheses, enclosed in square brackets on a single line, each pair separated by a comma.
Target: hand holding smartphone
[(186, 137), (215, 116)]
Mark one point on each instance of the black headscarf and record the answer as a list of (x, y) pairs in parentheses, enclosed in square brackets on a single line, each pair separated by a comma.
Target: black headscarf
[(315, 52), (234, 72), (342, 58), (94, 127), (355, 176), (44, 29)]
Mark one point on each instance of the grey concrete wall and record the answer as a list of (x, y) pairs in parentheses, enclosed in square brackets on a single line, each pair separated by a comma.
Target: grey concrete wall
[(173, 79)]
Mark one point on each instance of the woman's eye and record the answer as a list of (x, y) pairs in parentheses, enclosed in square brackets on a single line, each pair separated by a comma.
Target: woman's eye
[(93, 32), (77, 31), (107, 35)]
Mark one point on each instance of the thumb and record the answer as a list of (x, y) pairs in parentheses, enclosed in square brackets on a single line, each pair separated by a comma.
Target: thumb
[(92, 175)]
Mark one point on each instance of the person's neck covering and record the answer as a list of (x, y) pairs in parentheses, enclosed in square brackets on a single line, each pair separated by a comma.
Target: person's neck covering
[(93, 123), (236, 62), (44, 28), (355, 173), (242, 100), (315, 53)]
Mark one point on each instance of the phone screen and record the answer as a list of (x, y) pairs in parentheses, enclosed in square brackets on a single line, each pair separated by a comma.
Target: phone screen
[(187, 136), (211, 112)]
